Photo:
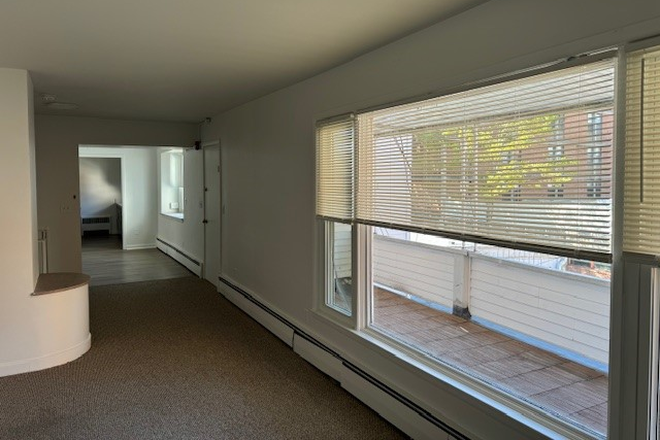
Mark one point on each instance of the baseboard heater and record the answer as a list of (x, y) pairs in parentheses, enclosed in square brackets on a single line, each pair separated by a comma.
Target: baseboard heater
[(95, 224), (391, 405), (189, 262)]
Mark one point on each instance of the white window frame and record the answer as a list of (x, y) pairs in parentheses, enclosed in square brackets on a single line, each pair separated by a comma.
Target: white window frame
[(165, 155), (322, 304), (633, 395)]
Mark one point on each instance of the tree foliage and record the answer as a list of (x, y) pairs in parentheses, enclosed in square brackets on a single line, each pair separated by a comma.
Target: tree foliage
[(505, 159)]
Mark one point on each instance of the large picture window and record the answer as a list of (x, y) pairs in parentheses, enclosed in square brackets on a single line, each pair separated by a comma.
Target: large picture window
[(475, 165), (487, 219)]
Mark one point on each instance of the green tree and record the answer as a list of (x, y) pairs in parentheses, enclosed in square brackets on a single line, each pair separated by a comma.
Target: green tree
[(492, 160)]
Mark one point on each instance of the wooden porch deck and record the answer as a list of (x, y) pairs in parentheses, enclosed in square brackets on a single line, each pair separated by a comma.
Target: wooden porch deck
[(567, 389)]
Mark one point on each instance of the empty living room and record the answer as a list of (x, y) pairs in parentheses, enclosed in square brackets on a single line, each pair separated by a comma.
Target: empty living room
[(349, 219)]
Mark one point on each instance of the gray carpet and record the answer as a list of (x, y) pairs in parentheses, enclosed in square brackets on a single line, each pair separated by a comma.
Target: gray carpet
[(174, 360)]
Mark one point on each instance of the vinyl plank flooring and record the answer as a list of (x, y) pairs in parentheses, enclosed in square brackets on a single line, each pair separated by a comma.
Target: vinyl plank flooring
[(107, 263)]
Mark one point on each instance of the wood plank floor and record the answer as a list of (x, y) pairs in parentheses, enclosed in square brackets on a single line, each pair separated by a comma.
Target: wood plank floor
[(567, 389), (107, 263)]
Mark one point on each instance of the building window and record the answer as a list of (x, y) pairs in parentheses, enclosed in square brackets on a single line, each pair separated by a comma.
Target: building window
[(172, 199), (600, 129), (555, 190), (339, 290), (472, 206), (335, 208), (595, 126)]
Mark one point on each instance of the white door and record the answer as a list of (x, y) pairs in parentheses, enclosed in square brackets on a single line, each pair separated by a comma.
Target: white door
[(212, 212)]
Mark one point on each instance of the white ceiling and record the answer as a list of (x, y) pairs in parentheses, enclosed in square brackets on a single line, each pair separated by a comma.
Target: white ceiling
[(183, 60)]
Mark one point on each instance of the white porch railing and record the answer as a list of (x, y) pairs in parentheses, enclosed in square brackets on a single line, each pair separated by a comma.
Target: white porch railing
[(565, 310)]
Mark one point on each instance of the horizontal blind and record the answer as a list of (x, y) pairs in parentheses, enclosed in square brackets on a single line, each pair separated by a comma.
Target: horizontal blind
[(334, 168), (641, 222), (525, 162)]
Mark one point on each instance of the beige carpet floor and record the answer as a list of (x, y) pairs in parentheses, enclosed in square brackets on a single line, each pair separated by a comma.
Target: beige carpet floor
[(173, 359)]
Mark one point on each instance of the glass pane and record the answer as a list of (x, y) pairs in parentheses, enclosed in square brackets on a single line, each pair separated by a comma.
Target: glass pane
[(533, 326), (340, 292), (172, 183)]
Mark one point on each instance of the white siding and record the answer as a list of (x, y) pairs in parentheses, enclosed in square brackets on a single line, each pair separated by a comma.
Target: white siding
[(414, 268), (342, 250), (562, 310)]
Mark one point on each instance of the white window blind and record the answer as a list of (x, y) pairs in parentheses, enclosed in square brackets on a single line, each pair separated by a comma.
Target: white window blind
[(334, 168), (524, 163), (642, 153)]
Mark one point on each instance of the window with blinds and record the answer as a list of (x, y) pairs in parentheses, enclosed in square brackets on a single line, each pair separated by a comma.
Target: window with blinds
[(526, 163), (642, 153), (334, 168)]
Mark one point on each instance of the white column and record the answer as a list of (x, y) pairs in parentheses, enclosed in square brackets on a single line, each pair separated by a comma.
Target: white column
[(462, 268)]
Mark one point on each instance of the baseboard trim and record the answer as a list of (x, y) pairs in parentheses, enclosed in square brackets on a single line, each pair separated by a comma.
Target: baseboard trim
[(47, 361), (428, 422), (133, 247), (177, 254)]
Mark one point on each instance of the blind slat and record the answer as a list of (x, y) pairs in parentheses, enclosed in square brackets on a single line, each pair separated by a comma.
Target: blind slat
[(641, 222), (527, 160), (335, 168)]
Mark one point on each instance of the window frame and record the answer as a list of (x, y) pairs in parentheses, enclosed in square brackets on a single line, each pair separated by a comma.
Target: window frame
[(326, 276), (632, 355), (166, 155), (630, 378), (492, 233)]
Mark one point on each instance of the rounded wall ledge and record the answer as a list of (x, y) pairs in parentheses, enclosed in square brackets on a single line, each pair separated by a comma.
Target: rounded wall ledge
[(56, 329)]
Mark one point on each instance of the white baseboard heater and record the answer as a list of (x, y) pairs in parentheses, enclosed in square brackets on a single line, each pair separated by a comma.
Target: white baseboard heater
[(96, 224), (189, 262), (391, 405)]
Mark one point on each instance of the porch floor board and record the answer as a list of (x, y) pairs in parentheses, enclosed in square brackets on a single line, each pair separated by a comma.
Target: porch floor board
[(560, 386)]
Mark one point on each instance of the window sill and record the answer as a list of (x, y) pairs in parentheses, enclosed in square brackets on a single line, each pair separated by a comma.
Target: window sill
[(480, 394), (173, 215)]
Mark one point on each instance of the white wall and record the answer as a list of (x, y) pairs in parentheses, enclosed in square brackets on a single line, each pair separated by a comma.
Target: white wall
[(57, 141), (268, 159), (140, 182), (18, 255), (100, 188), (187, 235)]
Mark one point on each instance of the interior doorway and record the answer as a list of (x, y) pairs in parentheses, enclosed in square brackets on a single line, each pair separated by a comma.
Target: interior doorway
[(121, 219), (101, 200)]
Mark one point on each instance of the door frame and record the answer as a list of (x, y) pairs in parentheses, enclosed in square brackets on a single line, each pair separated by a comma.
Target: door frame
[(205, 147), (124, 195)]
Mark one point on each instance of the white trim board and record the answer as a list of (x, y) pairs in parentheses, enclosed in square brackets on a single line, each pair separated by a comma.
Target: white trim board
[(46, 361), (133, 247), (389, 407), (195, 267)]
